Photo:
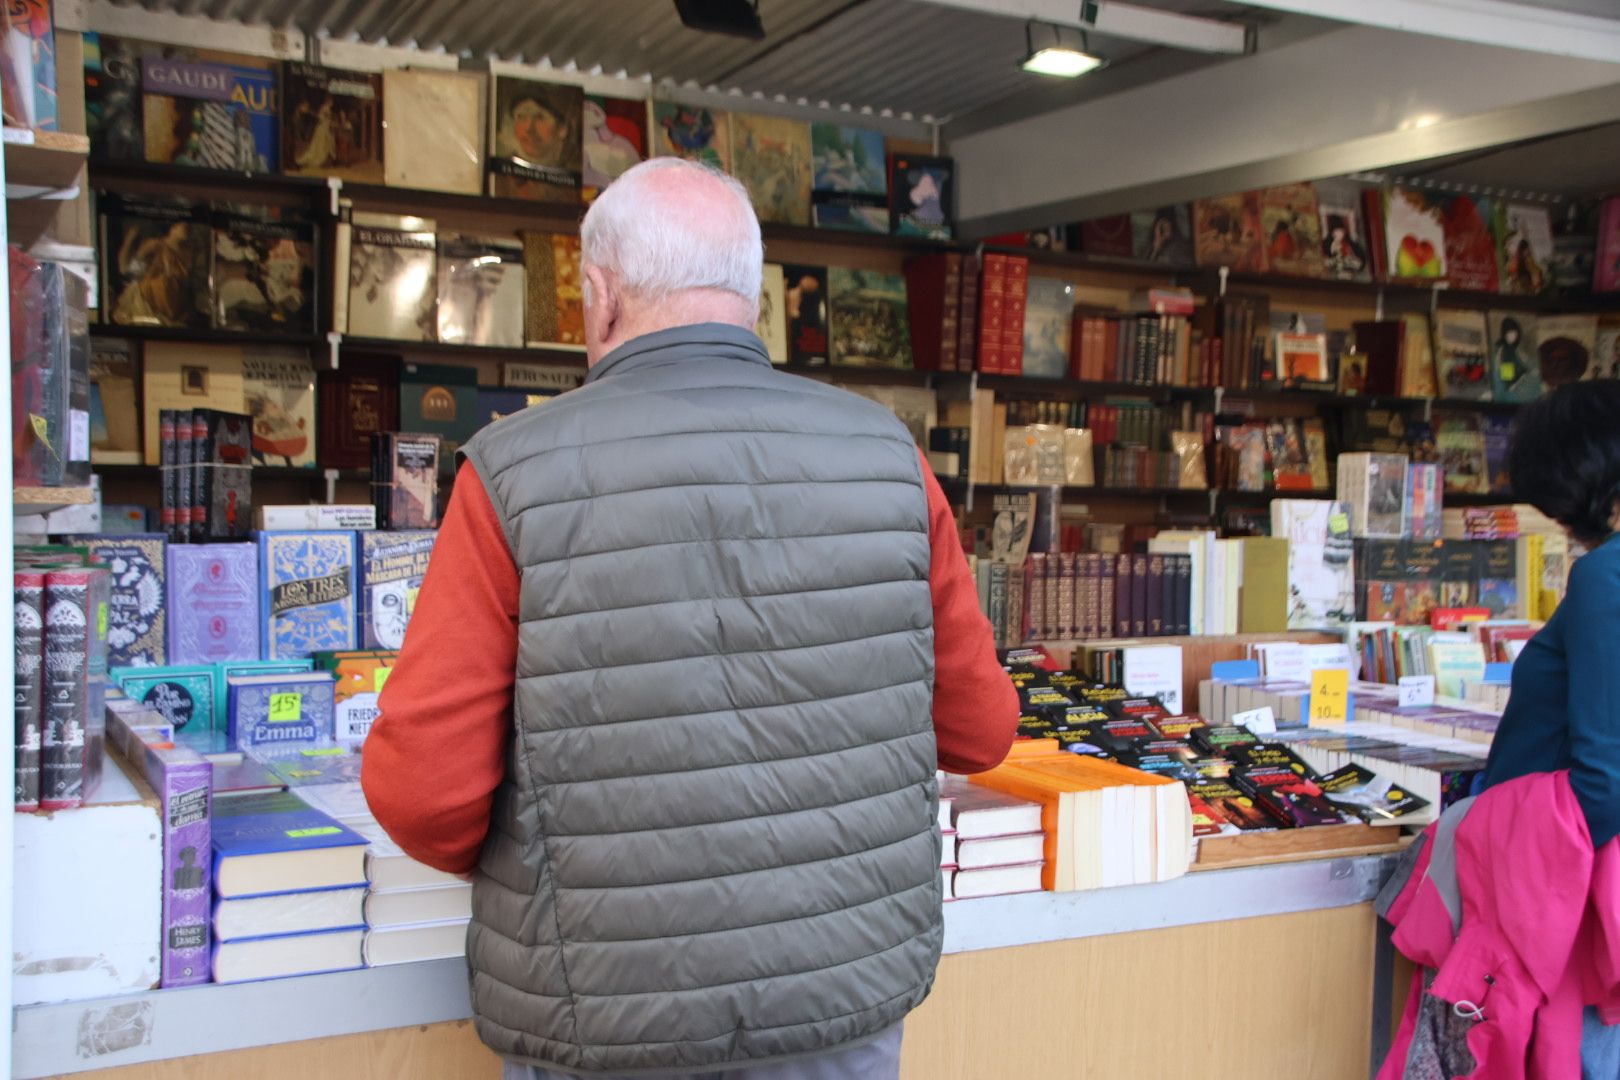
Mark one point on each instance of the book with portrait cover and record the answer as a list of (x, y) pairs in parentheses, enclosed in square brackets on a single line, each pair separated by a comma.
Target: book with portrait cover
[(535, 145), (392, 291), (211, 115), (1515, 362), (615, 139), (695, 132), (922, 196), (307, 582), (805, 305), (555, 311), (1163, 235), (213, 610), (264, 270), (1414, 235), (772, 323), (1344, 231), (136, 635), (357, 401), (481, 293), (1524, 248), (771, 156), (392, 565), (442, 400), (1227, 232), (1565, 345), (868, 316), (1292, 230), (154, 261), (279, 388), (332, 123), (433, 130), (850, 185)]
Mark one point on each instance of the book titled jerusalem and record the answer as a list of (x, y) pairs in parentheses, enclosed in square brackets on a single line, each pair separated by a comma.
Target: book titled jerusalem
[(332, 123), (211, 115), (276, 710), (392, 565), (392, 289), (536, 145), (868, 315), (213, 610), (264, 271), (308, 593), (136, 635)]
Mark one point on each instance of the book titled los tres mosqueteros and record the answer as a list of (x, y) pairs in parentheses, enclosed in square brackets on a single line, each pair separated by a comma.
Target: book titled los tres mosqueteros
[(309, 592)]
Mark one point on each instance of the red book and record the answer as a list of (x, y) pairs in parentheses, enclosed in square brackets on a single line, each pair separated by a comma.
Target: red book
[(1470, 245), (933, 299), (1016, 291), (1449, 618), (1372, 205), (967, 327), (1606, 269)]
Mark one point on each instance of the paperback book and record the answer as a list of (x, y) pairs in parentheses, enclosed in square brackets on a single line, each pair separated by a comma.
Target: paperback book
[(535, 141), (805, 305), (1565, 347), (1515, 359), (1524, 233), (850, 188), (405, 480), (183, 694), (280, 825), (358, 679), (1469, 222), (1163, 235), (333, 123), (279, 388), (1048, 319), (1344, 231), (1414, 236), (1228, 233), (1292, 230), (442, 400), (308, 582), (1462, 355)]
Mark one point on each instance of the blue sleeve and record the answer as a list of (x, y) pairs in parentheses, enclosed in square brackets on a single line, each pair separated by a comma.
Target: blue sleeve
[(1590, 617)]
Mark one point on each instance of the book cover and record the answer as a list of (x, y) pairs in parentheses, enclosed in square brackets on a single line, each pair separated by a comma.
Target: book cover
[(442, 400), (392, 565), (850, 185), (772, 326), (555, 310), (1364, 792), (28, 637), (1462, 352), (1469, 222), (1321, 576), (183, 782), (1515, 360), (264, 272), (1163, 236), (1564, 348), (496, 403), (301, 766), (1497, 563), (771, 156), (1605, 359), (411, 464), (184, 376), (1292, 230), (1108, 237), (307, 583), (805, 305), (357, 401), (695, 132), (115, 419), (1606, 268), (922, 193), (279, 389), (615, 139), (1525, 250), (1227, 232), (1458, 575), (155, 261), (275, 710), (222, 502), (392, 286), (1344, 231), (332, 123), (272, 823), (75, 686), (536, 148), (136, 635), (112, 92), (1496, 431), (359, 678), (1462, 456), (1414, 236), (31, 55), (1230, 804), (1048, 319), (1293, 800), (183, 694), (213, 611), (1417, 377), (433, 130), (868, 316), (211, 115), (481, 291)]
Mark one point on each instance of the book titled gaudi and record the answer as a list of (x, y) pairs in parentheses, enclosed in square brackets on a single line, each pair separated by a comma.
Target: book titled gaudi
[(307, 584)]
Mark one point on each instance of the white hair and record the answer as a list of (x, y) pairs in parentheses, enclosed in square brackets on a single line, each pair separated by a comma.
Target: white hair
[(659, 238)]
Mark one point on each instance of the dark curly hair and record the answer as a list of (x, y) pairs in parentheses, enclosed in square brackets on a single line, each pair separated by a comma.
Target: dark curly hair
[(1565, 458)]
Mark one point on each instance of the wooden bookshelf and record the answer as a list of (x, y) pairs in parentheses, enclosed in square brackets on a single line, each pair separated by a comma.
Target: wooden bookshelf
[(43, 500), (202, 336), (43, 159)]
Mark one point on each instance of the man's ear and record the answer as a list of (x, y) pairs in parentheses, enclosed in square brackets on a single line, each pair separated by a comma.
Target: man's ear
[(602, 311)]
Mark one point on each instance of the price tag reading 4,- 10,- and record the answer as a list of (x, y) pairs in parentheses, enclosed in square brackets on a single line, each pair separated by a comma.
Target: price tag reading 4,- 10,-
[(1330, 696)]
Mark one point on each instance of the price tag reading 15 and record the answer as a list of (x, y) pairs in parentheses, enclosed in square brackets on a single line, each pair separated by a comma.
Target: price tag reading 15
[(286, 708)]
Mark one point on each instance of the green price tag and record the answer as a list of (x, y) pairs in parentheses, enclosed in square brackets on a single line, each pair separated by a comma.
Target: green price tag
[(319, 830), (286, 708), (101, 620), (1339, 524), (325, 751), (379, 677)]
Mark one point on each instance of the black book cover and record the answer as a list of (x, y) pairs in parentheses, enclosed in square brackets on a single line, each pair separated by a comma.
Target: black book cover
[(1292, 799), (29, 637), (264, 270), (168, 475), (1183, 594), (201, 454), (1365, 792), (1269, 755), (1457, 574), (1234, 805), (805, 300), (1220, 740), (1139, 595), (184, 450), (155, 256)]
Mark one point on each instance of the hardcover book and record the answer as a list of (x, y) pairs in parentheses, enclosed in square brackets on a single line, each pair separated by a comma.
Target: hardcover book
[(155, 256), (1108, 237), (183, 781), (1344, 231), (1228, 233), (283, 826), (1564, 348), (1417, 378), (442, 400), (1292, 230), (495, 403), (264, 272), (771, 156), (615, 139), (1048, 319), (851, 185), (1462, 355), (213, 611), (358, 401), (75, 686), (359, 678), (308, 592), (433, 130), (554, 314), (332, 123), (1606, 268), (115, 419), (279, 388), (1163, 235), (392, 565), (695, 132), (32, 60), (211, 115), (182, 376), (275, 710), (112, 92), (535, 140), (1462, 456), (922, 195), (772, 325), (136, 636), (222, 499), (1414, 236), (183, 694), (28, 632), (868, 316), (1469, 222), (1321, 575), (391, 283), (805, 304), (481, 291), (1515, 360), (1525, 250)]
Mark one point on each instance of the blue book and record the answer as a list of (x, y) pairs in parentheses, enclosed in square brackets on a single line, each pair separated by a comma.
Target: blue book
[(278, 710), (136, 635), (307, 592), (182, 694), (231, 669), (275, 842), (392, 565)]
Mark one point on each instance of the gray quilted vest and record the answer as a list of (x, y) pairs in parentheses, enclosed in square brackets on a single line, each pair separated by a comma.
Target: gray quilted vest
[(715, 842)]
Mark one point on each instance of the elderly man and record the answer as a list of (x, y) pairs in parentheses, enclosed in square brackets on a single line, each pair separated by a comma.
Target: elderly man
[(694, 639)]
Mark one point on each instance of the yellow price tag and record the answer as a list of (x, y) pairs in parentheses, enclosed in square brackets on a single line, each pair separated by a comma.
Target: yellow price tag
[(101, 620), (286, 708), (379, 677), (1339, 524), (324, 751), (1330, 696), (41, 429), (318, 830)]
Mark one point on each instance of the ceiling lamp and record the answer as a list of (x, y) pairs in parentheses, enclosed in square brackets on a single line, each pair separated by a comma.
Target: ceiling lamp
[(735, 18), (1058, 59)]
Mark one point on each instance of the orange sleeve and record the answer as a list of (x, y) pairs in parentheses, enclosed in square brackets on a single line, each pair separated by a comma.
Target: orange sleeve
[(975, 705), (437, 751)]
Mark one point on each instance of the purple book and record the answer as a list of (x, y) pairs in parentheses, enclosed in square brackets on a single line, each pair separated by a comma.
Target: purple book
[(213, 603)]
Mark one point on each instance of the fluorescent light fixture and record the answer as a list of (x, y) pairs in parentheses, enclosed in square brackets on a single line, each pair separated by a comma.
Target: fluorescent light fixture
[(1061, 61)]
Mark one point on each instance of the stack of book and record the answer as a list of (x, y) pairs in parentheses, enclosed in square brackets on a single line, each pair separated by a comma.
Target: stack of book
[(996, 841)]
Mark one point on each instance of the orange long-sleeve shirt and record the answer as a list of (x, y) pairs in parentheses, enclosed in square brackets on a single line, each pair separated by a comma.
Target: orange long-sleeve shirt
[(438, 750)]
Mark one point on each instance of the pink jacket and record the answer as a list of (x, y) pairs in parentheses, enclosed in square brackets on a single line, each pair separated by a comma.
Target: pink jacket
[(1539, 938)]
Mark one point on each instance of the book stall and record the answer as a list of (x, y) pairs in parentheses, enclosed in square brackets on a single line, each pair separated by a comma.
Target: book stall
[(1230, 476)]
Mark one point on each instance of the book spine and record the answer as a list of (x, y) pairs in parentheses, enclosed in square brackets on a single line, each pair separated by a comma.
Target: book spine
[(186, 789), (1125, 595), (1184, 596), (1035, 589), (967, 331), (1139, 594), (998, 602), (1017, 612), (1104, 569), (1153, 622), (1017, 296), (183, 448), (67, 689), (202, 476), (29, 637), (166, 473), (950, 321)]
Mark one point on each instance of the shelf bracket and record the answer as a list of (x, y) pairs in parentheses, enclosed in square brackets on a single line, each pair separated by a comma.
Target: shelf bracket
[(967, 500), (1220, 394), (1434, 298), (1378, 305), (1211, 492), (331, 486), (1428, 410), (334, 196), (1224, 272), (333, 341)]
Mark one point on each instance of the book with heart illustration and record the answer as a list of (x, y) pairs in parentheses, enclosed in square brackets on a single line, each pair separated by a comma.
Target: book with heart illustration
[(1414, 236)]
